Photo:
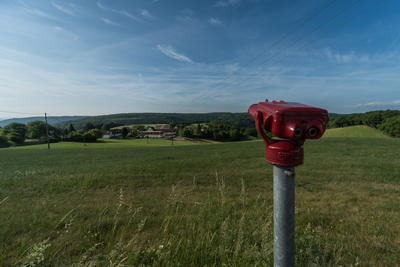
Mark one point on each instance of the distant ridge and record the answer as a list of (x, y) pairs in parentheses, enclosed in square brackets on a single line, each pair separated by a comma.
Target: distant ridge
[(50, 120), (239, 119)]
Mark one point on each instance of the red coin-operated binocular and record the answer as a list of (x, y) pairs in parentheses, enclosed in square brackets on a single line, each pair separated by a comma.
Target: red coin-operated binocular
[(294, 122)]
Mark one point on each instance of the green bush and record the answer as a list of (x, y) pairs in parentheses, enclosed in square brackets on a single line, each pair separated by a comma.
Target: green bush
[(77, 137), (391, 126)]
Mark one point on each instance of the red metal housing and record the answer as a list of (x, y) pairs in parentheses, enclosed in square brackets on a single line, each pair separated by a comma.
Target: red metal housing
[(292, 121)]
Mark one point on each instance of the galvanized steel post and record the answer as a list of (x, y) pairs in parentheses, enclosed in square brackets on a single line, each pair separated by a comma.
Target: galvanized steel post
[(284, 223)]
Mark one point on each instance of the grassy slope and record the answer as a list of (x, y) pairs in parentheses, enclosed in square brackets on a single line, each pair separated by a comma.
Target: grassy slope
[(111, 143), (347, 192), (354, 131)]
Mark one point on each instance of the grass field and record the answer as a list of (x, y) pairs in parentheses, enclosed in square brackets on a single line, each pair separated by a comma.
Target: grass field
[(113, 143), (354, 131), (131, 204)]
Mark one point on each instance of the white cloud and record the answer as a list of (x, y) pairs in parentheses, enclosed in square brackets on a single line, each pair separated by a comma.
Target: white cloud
[(343, 58), (146, 14), (58, 28), (189, 18), (39, 13), (110, 22), (365, 58), (23, 3), (214, 21), (101, 6), (379, 104), (169, 51), (76, 7), (123, 12), (227, 3), (63, 9)]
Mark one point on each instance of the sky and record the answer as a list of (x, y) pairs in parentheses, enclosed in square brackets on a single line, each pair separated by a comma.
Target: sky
[(70, 57)]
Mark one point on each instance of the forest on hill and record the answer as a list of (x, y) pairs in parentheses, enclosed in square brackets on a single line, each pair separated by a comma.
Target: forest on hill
[(50, 119), (242, 120), (385, 120)]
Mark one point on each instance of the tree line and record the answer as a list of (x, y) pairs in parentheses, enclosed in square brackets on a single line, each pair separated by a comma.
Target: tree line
[(35, 132), (385, 120)]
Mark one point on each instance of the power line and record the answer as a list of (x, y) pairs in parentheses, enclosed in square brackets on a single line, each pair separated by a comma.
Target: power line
[(200, 102), (4, 111), (259, 54), (293, 52)]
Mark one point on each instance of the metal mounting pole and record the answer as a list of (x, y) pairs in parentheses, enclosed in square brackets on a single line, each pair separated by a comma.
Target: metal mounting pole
[(284, 247)]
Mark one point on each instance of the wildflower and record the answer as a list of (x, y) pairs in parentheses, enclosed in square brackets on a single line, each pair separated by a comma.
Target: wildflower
[(89, 232), (372, 217), (160, 246), (340, 220)]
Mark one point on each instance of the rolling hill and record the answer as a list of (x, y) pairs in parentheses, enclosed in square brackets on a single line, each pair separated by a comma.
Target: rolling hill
[(354, 131), (51, 120)]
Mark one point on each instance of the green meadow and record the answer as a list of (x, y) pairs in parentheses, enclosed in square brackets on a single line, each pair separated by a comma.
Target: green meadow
[(355, 131), (133, 203)]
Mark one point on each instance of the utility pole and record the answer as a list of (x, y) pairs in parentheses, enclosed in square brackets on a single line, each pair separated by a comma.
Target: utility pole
[(47, 131)]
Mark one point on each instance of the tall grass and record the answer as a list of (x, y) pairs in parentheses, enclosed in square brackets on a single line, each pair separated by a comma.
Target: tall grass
[(211, 231), (197, 205)]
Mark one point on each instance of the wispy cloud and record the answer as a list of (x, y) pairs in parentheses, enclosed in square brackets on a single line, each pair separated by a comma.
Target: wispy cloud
[(63, 9), (146, 14), (169, 51), (339, 57), (76, 7), (23, 3), (65, 33), (189, 18), (214, 21), (379, 104), (125, 13), (39, 13), (227, 3), (101, 6), (110, 22)]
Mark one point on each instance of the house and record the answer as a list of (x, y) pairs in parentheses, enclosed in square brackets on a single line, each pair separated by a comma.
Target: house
[(116, 133), (160, 131)]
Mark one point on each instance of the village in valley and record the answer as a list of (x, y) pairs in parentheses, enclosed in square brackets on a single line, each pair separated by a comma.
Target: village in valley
[(159, 131)]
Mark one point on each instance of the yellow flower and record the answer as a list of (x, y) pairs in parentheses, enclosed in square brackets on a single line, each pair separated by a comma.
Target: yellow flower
[(89, 232), (340, 220), (372, 216)]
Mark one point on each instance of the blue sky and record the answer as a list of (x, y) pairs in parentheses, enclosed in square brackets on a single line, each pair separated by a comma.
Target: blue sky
[(105, 57)]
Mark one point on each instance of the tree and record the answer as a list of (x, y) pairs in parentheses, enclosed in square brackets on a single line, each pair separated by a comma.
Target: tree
[(71, 128), (96, 133), (105, 127), (37, 130), (391, 126), (19, 128), (124, 132), (198, 130), (15, 137), (89, 126), (3, 140)]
